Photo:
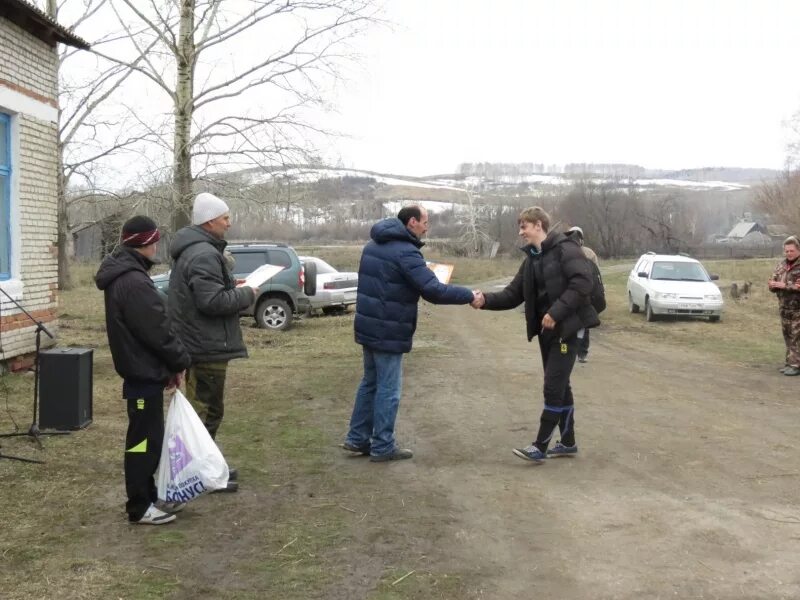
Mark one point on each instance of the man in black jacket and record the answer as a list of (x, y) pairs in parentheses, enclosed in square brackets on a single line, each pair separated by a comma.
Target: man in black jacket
[(205, 303), (147, 355), (554, 281)]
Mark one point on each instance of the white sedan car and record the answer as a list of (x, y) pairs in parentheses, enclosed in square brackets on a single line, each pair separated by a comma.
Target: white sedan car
[(665, 284), (336, 290)]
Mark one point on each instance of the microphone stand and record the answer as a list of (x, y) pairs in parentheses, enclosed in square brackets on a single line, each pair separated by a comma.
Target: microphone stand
[(33, 431)]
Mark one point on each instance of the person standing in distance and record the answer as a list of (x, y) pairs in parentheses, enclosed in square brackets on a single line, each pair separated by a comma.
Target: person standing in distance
[(785, 284), (583, 341), (554, 281), (205, 303), (149, 357), (392, 275)]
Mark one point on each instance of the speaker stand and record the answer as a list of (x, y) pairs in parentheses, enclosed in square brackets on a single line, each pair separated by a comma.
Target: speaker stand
[(33, 431), (19, 458)]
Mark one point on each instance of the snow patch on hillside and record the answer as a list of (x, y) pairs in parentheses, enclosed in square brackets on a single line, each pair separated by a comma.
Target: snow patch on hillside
[(474, 183)]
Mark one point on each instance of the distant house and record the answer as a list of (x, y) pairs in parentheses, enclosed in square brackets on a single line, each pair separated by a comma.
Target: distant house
[(744, 228), (28, 172)]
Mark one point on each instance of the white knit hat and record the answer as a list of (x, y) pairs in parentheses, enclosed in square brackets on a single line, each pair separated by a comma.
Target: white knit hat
[(576, 229), (207, 207)]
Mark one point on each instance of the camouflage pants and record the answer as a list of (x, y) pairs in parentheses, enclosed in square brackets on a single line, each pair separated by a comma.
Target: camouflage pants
[(205, 389), (790, 324)]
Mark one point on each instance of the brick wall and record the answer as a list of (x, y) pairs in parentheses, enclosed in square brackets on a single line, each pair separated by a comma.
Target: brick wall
[(28, 62), (29, 68)]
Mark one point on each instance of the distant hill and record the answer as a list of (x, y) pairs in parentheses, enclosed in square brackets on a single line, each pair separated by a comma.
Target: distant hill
[(510, 178), (732, 174)]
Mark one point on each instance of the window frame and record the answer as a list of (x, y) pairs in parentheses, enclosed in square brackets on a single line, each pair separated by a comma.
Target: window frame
[(6, 171)]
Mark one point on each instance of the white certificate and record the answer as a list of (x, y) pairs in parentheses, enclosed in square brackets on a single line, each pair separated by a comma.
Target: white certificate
[(261, 274)]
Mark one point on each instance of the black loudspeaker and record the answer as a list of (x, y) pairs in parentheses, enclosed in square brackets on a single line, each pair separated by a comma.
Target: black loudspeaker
[(65, 388)]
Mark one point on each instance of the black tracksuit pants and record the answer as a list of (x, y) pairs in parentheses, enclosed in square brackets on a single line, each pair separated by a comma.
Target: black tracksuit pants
[(142, 452), (558, 359)]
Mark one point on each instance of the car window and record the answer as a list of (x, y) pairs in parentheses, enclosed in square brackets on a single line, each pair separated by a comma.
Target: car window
[(679, 271), (323, 267), (280, 258), (247, 262)]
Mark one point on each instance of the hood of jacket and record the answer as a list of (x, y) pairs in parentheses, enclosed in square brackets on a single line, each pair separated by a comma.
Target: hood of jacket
[(189, 236), (120, 262), (392, 230), (553, 239)]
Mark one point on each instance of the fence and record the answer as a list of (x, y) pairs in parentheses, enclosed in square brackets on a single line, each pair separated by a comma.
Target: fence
[(722, 251)]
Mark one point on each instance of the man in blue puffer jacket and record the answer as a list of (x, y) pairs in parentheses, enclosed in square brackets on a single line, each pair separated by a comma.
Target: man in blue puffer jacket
[(391, 278)]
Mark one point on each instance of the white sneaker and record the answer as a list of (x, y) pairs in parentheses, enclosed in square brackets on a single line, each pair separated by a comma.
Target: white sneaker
[(153, 516)]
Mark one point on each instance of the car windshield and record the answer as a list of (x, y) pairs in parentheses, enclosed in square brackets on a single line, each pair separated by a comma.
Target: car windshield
[(678, 271)]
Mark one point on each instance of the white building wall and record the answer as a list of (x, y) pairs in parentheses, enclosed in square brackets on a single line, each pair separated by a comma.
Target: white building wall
[(28, 93)]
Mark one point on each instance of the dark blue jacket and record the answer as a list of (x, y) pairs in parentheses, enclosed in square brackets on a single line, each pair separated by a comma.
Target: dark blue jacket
[(391, 278)]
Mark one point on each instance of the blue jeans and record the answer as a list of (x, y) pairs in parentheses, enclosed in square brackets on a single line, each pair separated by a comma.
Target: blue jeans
[(377, 401)]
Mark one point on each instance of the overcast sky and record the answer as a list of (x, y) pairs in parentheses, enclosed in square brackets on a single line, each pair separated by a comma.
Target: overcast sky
[(659, 83)]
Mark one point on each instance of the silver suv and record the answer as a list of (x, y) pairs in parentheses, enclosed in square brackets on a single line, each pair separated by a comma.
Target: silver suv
[(673, 284)]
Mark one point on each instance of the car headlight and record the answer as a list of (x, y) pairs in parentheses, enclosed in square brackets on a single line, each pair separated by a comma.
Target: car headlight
[(713, 296), (666, 296)]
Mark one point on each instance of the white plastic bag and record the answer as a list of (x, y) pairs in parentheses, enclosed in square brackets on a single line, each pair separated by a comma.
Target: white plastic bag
[(190, 464)]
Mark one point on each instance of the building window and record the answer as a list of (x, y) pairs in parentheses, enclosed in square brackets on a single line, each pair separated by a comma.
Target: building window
[(5, 196)]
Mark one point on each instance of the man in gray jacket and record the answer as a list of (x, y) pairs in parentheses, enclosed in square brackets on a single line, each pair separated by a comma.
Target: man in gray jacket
[(204, 303)]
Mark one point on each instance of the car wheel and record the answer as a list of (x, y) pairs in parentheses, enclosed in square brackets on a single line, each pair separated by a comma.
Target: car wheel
[(274, 313), (634, 308), (649, 315), (713, 319)]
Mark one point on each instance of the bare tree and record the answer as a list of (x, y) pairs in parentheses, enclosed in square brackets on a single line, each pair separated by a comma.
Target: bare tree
[(241, 78), (607, 213), (87, 135), (662, 219), (781, 200)]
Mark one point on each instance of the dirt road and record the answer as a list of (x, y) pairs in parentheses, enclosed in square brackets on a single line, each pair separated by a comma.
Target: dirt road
[(686, 485)]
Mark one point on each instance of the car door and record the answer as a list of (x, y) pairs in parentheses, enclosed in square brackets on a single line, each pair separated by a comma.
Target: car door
[(639, 284)]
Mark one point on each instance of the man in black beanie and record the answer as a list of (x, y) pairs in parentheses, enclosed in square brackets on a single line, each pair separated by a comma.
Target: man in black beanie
[(147, 355)]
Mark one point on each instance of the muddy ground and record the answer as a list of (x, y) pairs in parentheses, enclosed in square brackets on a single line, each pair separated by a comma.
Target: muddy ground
[(686, 484)]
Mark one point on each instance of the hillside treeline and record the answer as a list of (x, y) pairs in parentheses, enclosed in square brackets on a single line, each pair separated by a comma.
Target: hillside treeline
[(618, 219)]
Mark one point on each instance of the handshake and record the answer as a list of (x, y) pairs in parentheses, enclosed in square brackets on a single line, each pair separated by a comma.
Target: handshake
[(478, 299)]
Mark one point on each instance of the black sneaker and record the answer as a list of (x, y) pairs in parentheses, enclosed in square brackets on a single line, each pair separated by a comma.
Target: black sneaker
[(233, 474), (170, 508), (531, 453), (232, 487), (562, 450), (396, 454), (582, 358), (363, 450)]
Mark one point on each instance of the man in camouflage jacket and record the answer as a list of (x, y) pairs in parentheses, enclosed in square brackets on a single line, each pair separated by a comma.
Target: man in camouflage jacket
[(785, 284)]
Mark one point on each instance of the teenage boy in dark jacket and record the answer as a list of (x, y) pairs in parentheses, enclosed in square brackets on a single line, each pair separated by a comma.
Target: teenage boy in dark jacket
[(554, 281), (147, 355), (392, 276)]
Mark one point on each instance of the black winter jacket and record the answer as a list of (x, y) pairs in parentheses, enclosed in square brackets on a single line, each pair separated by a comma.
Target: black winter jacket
[(203, 300), (144, 346), (558, 281)]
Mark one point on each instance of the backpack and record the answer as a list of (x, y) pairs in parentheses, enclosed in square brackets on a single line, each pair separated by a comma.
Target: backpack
[(598, 293)]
